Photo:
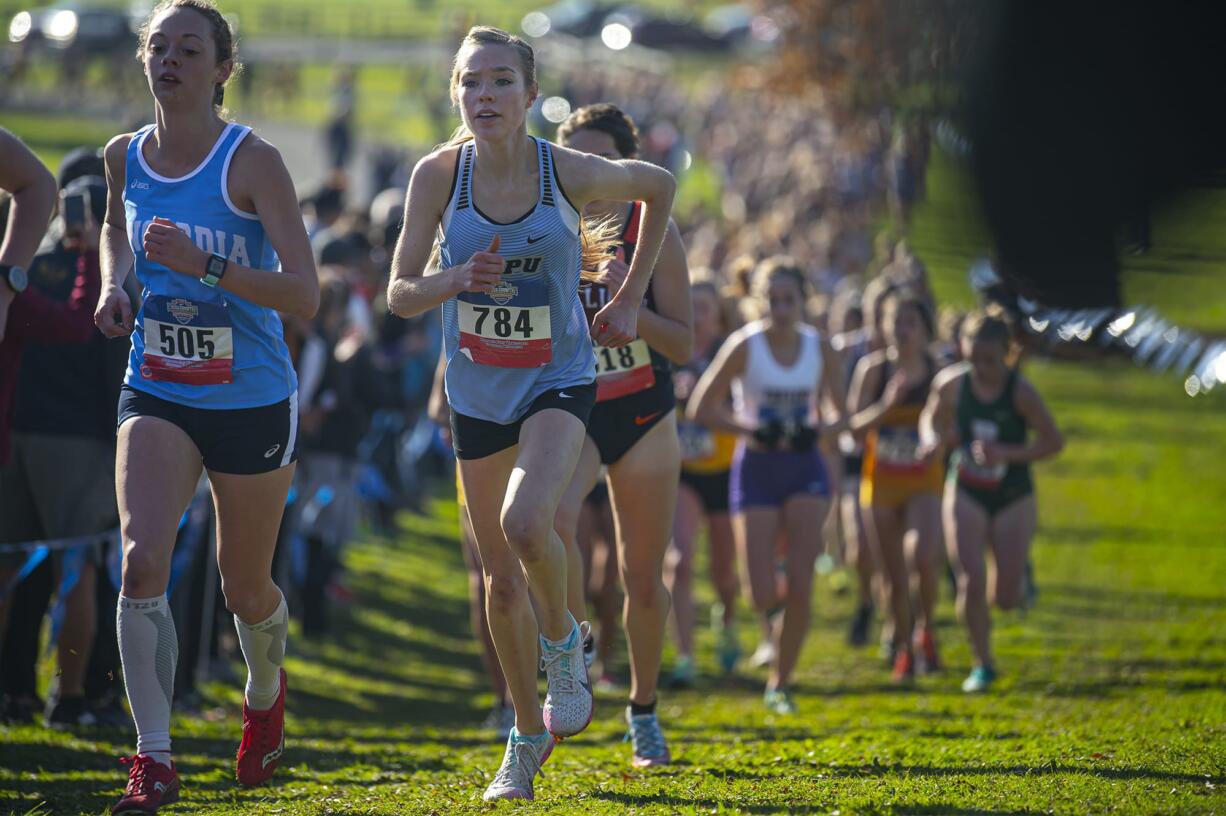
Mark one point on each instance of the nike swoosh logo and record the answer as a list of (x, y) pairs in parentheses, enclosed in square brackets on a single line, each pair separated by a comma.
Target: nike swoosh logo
[(532, 240), (564, 395), (643, 420), (268, 454)]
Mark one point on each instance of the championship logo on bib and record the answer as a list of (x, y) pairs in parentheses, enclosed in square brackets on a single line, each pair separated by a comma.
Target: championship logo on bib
[(697, 441), (509, 327), (623, 371), (897, 451), (186, 341)]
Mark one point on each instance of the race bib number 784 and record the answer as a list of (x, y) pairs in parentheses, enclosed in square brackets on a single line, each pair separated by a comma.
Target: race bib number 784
[(508, 328)]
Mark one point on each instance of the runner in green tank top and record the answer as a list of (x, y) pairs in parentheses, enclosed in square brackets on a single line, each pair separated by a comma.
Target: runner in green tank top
[(984, 410), (993, 487)]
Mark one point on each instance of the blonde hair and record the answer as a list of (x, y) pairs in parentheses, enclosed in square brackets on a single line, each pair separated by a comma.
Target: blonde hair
[(487, 35)]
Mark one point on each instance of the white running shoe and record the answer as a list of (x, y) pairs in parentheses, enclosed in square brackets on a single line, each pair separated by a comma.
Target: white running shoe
[(520, 765), (501, 720), (650, 748), (568, 702), (764, 655)]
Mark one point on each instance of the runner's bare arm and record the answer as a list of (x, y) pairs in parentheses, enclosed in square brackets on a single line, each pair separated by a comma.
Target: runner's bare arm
[(436, 407), (936, 423), (411, 291), (830, 387), (33, 189), (1048, 440), (262, 182), (114, 313), (864, 412), (668, 329), (587, 178), (708, 403)]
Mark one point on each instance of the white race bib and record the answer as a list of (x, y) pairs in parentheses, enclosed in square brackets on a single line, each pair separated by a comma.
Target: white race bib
[(622, 371)]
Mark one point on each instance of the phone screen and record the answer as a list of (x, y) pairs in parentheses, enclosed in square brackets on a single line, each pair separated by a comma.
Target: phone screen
[(74, 210)]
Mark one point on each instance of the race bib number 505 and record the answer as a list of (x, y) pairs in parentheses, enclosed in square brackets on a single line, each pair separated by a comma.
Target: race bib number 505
[(508, 328), (187, 341)]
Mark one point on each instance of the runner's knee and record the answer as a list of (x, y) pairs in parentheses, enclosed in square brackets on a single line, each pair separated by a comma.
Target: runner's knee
[(527, 530), (504, 590)]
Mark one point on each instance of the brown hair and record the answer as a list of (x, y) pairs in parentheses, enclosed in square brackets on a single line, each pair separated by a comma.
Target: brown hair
[(910, 298), (729, 318), (875, 293), (992, 326), (780, 266), (608, 119), (223, 36)]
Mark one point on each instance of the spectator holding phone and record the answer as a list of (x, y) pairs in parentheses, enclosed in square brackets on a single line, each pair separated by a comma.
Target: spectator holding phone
[(65, 412), (27, 315)]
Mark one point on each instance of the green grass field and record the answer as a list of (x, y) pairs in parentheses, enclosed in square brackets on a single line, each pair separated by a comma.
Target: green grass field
[(1111, 700)]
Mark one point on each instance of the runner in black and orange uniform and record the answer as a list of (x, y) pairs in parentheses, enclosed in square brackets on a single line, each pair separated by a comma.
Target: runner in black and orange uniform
[(632, 429)]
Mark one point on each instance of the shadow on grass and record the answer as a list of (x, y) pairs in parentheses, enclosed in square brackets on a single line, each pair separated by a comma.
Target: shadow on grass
[(1117, 598), (710, 805), (1106, 687), (954, 810), (432, 708), (1050, 769), (713, 805)]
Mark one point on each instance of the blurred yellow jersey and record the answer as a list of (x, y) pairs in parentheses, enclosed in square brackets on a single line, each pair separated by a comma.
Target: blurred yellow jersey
[(703, 450)]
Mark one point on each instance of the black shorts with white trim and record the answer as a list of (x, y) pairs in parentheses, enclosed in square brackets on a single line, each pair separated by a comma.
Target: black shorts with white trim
[(239, 441), (474, 438)]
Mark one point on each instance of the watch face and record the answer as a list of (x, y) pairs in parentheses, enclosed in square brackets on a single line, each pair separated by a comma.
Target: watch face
[(18, 279)]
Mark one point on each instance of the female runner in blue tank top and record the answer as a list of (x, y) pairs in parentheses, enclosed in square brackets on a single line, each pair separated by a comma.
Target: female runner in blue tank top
[(202, 210), (504, 209)]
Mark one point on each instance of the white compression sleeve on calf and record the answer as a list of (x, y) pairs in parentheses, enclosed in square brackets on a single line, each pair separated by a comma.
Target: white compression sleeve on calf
[(148, 652), (263, 646)]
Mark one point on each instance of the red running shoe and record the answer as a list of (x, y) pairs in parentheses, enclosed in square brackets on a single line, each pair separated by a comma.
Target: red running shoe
[(263, 741), (904, 667), (929, 661), (150, 785)]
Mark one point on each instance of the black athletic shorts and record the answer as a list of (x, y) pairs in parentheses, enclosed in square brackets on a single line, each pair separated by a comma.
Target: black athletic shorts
[(240, 441), (617, 424), (853, 465), (473, 438), (712, 489)]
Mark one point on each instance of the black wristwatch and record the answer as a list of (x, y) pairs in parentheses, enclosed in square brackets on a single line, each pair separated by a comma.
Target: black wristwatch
[(214, 269), (15, 277)]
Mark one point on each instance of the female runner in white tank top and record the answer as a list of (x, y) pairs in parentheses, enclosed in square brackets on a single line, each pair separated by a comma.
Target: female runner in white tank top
[(778, 370)]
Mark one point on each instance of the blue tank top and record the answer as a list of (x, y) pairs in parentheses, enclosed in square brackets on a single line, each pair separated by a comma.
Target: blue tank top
[(529, 335), (193, 344)]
